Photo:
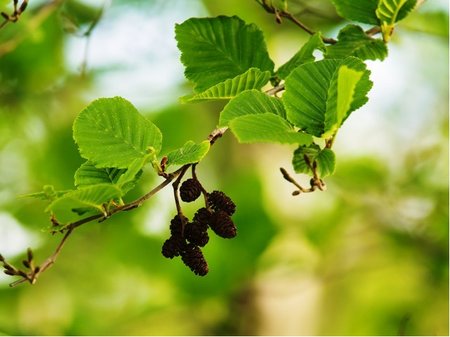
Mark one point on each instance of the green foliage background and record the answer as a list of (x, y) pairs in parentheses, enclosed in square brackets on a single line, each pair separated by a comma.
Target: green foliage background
[(367, 257)]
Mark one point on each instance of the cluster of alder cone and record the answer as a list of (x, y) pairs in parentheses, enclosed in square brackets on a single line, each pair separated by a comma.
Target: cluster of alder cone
[(188, 236)]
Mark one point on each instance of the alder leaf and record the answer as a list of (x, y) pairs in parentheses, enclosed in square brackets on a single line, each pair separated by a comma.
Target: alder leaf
[(89, 199), (317, 102), (110, 132), (391, 11), (304, 55), (298, 160), (324, 158), (306, 95), (87, 174), (216, 49), (358, 10), (251, 102), (353, 41), (189, 153), (266, 128), (326, 162), (131, 176), (348, 92), (251, 79), (125, 179), (48, 193)]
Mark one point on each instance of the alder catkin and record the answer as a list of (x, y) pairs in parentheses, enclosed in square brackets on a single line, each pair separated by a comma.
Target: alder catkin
[(176, 225), (192, 257), (190, 190), (172, 247), (223, 226), (219, 201), (203, 216), (196, 233)]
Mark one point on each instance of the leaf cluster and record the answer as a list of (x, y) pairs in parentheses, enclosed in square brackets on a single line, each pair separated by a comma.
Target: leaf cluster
[(118, 143), (304, 102), (227, 59)]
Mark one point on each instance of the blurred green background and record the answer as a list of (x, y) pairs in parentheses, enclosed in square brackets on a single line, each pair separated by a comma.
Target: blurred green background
[(367, 257)]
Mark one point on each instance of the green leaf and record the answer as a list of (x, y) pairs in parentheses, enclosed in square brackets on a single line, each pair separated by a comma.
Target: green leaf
[(251, 102), (48, 194), (353, 41), (306, 95), (189, 153), (325, 160), (88, 174), (348, 92), (358, 10), (317, 102), (90, 199), (251, 79), (304, 55), (266, 128), (131, 176), (298, 160), (125, 179), (391, 11), (216, 49), (110, 132)]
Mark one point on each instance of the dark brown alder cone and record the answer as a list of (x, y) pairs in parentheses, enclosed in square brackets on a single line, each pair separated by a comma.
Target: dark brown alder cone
[(190, 190), (221, 202), (196, 233), (192, 257), (203, 216), (172, 247), (223, 226), (176, 225)]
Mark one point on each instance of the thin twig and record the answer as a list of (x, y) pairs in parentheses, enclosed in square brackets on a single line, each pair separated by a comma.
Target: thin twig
[(138, 202), (175, 185), (17, 12), (373, 31), (294, 182), (87, 35), (31, 25), (72, 226), (32, 277), (216, 134), (330, 141), (315, 182), (281, 13), (273, 91), (69, 229)]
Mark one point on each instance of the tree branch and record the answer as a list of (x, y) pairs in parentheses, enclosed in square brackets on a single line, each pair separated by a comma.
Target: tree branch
[(87, 35), (14, 16), (282, 13), (31, 25), (35, 272), (273, 91)]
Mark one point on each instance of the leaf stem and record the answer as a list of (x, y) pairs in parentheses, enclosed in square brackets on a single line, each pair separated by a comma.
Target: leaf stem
[(17, 12), (87, 35), (315, 182), (175, 186), (273, 91)]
